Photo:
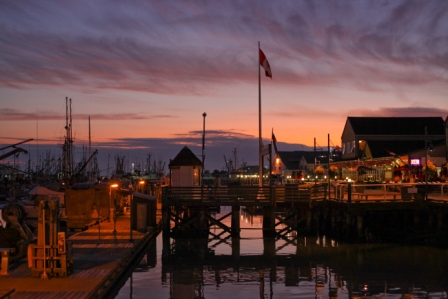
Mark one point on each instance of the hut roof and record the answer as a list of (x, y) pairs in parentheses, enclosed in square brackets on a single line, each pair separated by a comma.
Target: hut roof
[(185, 158)]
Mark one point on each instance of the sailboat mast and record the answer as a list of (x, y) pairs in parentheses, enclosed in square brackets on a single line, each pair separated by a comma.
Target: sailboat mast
[(90, 154), (71, 140), (65, 146)]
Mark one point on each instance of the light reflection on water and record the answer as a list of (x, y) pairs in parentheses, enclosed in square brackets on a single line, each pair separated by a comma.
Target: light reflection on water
[(289, 267)]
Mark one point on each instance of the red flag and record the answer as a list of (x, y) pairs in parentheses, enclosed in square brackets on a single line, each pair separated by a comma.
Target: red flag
[(274, 141), (265, 64)]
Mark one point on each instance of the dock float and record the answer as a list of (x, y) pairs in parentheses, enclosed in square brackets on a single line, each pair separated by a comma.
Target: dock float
[(101, 260)]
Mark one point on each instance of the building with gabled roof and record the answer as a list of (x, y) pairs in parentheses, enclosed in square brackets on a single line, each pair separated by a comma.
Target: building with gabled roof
[(394, 143), (373, 137), (298, 161), (185, 169)]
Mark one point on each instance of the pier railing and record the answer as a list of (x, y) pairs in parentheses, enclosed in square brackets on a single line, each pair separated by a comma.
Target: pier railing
[(343, 191), (242, 195)]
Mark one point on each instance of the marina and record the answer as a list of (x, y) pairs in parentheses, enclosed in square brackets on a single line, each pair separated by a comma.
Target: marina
[(269, 237), (88, 237), (237, 150)]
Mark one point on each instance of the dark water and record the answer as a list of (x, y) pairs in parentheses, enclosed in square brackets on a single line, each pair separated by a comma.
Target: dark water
[(287, 267)]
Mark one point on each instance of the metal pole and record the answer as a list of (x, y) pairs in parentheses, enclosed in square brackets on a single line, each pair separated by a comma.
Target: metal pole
[(115, 217), (203, 157), (130, 220), (203, 146), (328, 172), (426, 163), (260, 142), (99, 220), (44, 274)]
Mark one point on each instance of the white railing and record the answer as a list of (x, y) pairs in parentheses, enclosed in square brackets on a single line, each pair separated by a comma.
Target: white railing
[(390, 191)]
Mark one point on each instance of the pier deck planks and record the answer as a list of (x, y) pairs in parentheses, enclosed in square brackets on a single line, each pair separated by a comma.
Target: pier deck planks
[(97, 255)]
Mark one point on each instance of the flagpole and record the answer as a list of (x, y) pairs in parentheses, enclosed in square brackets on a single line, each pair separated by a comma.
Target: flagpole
[(260, 143)]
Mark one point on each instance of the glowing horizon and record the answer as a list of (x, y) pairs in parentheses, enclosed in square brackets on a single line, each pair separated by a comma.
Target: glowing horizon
[(145, 72)]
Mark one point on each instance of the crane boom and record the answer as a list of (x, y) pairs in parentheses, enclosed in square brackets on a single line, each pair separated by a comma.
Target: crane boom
[(14, 145), (85, 164), (14, 151)]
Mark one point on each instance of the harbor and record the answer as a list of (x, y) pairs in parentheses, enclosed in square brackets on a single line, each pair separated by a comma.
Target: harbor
[(234, 150), (283, 220), (84, 236)]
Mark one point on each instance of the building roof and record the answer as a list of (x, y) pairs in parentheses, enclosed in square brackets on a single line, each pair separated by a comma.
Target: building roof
[(185, 158), (292, 159), (39, 190), (382, 148), (397, 125)]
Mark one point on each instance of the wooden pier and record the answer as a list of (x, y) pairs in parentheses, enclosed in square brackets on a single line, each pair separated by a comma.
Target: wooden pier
[(361, 211)]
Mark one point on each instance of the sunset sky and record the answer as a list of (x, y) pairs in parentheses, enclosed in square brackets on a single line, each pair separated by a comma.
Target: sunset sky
[(145, 71)]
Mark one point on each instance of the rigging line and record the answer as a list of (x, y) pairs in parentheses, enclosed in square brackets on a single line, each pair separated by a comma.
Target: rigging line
[(335, 146)]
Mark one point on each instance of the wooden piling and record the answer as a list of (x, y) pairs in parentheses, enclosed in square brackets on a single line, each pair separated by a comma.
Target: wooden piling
[(235, 229), (268, 221)]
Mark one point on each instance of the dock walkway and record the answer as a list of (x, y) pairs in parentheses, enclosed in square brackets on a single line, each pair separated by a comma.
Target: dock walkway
[(100, 258)]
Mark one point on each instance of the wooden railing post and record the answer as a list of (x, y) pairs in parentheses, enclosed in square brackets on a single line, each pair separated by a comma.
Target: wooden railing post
[(349, 192)]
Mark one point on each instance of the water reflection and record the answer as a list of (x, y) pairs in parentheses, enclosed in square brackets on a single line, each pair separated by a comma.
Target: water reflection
[(290, 266)]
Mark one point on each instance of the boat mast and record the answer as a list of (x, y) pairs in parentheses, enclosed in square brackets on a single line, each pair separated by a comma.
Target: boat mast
[(71, 141), (90, 154), (67, 148)]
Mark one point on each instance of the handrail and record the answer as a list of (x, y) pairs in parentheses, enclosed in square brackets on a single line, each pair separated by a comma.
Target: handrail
[(340, 189), (242, 195)]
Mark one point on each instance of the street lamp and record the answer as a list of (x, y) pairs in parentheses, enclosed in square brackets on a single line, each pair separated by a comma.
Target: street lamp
[(203, 147), (141, 183), (113, 211)]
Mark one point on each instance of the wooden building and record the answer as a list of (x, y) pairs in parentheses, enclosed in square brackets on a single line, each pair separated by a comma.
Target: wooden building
[(373, 137), (185, 169), (402, 143), (293, 163)]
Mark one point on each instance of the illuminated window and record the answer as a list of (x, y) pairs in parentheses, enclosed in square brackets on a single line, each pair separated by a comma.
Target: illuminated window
[(195, 177)]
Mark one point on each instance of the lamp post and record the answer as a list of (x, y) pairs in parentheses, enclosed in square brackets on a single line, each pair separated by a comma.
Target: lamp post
[(141, 187), (203, 157), (130, 219), (203, 147), (113, 210)]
